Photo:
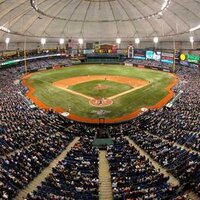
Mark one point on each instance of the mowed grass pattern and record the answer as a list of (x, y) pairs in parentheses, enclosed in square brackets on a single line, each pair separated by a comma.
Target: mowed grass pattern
[(90, 88), (55, 97)]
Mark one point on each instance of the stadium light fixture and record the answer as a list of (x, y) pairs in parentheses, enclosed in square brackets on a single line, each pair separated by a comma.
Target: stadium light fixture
[(137, 40), (62, 41), (43, 41), (80, 41), (191, 39), (155, 40), (7, 40), (118, 40)]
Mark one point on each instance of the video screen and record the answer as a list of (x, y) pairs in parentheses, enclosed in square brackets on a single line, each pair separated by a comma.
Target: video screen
[(149, 55), (167, 58), (157, 55), (139, 54), (193, 58), (153, 55)]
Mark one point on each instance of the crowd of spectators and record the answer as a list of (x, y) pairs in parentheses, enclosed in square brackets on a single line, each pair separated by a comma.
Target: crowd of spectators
[(180, 123), (160, 132), (45, 63), (31, 138), (181, 163), (20, 125), (75, 177), (134, 177), (19, 169)]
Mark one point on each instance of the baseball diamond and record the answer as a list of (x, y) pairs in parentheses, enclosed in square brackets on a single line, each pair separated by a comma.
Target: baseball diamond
[(122, 91)]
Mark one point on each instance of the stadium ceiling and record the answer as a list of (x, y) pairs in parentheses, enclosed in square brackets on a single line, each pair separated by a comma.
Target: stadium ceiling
[(99, 19)]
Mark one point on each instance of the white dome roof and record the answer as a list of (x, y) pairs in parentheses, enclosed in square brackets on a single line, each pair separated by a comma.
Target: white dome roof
[(99, 19)]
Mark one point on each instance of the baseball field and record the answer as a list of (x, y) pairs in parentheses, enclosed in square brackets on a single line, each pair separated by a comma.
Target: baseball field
[(89, 92)]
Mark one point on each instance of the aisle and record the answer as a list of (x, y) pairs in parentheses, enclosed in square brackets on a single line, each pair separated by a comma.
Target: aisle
[(174, 143), (172, 180), (41, 177), (105, 185)]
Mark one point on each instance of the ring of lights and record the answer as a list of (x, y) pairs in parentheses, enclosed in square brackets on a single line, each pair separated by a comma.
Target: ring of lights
[(156, 13), (76, 37)]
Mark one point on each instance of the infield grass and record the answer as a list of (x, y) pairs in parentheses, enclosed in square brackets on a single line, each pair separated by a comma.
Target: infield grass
[(93, 88), (55, 97)]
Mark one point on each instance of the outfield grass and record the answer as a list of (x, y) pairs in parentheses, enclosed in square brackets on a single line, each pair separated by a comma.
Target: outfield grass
[(55, 97), (90, 88)]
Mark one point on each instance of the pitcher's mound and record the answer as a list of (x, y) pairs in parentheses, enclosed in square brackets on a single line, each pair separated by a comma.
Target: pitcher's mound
[(101, 87), (100, 102)]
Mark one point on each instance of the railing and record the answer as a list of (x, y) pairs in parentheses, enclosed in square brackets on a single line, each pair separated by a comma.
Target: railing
[(172, 102)]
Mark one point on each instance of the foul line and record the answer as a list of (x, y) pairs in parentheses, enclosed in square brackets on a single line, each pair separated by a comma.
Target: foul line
[(76, 93), (112, 97), (78, 79), (126, 92)]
